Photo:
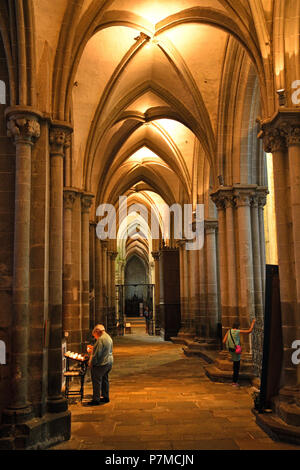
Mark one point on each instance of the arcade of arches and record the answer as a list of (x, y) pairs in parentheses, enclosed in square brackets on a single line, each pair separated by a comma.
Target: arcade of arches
[(164, 102)]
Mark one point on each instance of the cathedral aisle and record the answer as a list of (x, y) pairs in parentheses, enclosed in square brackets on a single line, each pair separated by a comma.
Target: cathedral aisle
[(162, 400)]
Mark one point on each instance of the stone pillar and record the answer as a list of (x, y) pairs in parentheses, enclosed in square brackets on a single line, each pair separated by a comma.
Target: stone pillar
[(246, 305), (219, 199), (293, 143), (187, 330), (235, 254), (98, 283), (258, 277), (24, 128), (212, 279), (275, 143), (231, 256), (156, 256), (183, 293), (76, 332), (262, 200), (86, 202), (92, 270), (202, 299), (59, 140), (73, 340), (112, 290), (104, 283), (195, 286), (281, 136)]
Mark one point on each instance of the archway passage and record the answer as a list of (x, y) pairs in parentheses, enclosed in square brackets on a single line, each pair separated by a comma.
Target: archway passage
[(165, 104)]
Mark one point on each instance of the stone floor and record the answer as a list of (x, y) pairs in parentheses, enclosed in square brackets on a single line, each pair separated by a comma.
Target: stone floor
[(162, 400)]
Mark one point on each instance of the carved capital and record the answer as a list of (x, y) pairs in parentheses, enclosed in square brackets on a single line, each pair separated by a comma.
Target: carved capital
[(243, 198), (219, 201), (210, 226), (262, 197), (254, 201), (59, 138), (229, 201), (274, 140), (292, 133), (281, 131), (23, 128), (69, 197), (86, 202), (223, 198)]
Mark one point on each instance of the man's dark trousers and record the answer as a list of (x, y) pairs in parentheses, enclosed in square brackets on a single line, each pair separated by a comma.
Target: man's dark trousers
[(100, 381)]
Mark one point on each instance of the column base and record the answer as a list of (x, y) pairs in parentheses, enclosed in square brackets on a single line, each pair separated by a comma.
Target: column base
[(282, 422), (221, 370), (205, 348), (17, 415), (184, 336), (36, 433), (57, 405)]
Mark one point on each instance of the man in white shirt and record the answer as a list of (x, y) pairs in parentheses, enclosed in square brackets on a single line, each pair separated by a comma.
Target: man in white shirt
[(100, 362)]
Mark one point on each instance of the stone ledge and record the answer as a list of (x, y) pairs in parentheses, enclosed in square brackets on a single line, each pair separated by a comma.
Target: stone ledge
[(289, 413), (225, 376), (36, 434), (276, 428), (183, 338), (202, 350), (177, 340)]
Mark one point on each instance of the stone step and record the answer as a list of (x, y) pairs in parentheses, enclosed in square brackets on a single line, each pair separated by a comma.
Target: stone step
[(225, 376), (276, 428)]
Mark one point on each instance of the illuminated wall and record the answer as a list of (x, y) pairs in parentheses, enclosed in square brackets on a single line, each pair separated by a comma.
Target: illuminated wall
[(270, 217)]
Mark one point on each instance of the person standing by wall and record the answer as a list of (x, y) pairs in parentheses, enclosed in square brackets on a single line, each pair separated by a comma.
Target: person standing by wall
[(100, 362), (232, 339)]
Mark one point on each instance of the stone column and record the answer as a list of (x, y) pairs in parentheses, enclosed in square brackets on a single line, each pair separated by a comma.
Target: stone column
[(187, 329), (258, 278), (59, 140), (104, 283), (98, 283), (195, 286), (293, 143), (246, 308), (231, 255), (182, 264), (86, 203), (92, 270), (281, 136), (275, 143), (24, 128), (233, 204), (70, 195), (219, 199), (212, 279), (262, 199), (112, 263), (156, 256)]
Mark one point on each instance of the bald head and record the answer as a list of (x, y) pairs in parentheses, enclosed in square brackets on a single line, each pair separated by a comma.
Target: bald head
[(98, 330)]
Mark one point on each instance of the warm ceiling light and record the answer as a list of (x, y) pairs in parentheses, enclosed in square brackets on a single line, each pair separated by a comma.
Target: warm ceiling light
[(155, 11), (144, 154)]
